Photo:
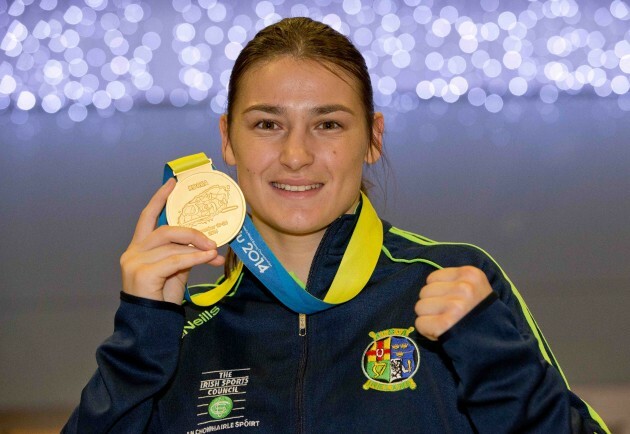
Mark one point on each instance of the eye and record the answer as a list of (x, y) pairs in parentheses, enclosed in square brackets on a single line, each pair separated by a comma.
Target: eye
[(329, 125), (266, 125)]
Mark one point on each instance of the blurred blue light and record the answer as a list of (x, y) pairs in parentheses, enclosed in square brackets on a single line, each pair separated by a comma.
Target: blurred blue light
[(110, 54), (457, 65), (489, 5), (134, 13), (458, 86), (387, 85), (492, 68), (7, 85), (425, 89), (401, 59), (77, 67), (507, 20), (494, 103), (490, 31), (116, 89), (477, 96), (518, 86), (26, 100), (549, 94), (390, 23), (351, 7), (363, 37), (73, 15), (434, 61), (124, 104), (155, 95), (620, 10), (51, 103), (77, 112), (441, 27), (179, 97), (185, 32), (217, 12), (620, 84), (422, 14)]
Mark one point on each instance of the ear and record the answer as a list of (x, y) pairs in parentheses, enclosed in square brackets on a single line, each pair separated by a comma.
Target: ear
[(375, 149), (226, 144)]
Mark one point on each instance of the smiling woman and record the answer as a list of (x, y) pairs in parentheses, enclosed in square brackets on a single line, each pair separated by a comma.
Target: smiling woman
[(299, 143), (438, 325)]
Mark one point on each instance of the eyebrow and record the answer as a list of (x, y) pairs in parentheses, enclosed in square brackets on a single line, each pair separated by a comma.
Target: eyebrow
[(319, 110)]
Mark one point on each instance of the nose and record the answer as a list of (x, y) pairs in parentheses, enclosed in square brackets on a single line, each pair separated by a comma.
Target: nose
[(296, 152)]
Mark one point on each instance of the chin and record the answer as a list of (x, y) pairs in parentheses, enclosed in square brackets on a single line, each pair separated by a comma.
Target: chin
[(297, 225)]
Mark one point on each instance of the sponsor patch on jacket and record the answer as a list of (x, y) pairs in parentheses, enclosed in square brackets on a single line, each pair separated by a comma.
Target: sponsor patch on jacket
[(391, 360), (222, 401)]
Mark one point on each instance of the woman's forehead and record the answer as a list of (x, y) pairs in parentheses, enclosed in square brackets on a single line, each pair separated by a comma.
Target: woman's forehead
[(293, 81)]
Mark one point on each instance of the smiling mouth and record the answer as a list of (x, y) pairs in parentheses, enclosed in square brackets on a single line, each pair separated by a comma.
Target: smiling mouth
[(287, 187)]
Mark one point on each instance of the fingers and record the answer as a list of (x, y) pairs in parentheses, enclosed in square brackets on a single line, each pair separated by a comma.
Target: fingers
[(178, 235), (432, 327), (436, 315), (468, 284), (448, 296), (442, 289), (149, 215), (161, 252), (432, 306), (176, 263), (217, 262), (453, 274), (155, 273)]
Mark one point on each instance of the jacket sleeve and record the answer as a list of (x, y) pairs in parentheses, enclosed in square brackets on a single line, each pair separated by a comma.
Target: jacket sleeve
[(134, 364), (510, 381)]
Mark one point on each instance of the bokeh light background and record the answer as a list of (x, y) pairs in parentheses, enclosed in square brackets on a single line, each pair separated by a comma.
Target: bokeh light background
[(507, 126), (70, 58)]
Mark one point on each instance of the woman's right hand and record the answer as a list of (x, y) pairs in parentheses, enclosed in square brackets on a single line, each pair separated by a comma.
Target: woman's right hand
[(157, 262)]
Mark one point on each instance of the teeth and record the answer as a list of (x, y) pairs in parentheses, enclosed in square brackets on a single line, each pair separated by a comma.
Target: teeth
[(288, 187)]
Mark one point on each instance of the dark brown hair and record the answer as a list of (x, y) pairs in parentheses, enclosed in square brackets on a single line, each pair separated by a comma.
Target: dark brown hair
[(303, 38)]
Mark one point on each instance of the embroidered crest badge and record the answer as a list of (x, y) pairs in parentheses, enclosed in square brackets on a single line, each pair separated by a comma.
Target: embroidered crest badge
[(391, 360)]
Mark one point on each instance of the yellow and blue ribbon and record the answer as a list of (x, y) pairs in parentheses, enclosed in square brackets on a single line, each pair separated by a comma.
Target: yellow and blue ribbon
[(355, 269)]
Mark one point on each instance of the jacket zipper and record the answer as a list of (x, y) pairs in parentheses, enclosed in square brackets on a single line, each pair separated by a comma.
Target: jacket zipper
[(302, 324), (301, 371)]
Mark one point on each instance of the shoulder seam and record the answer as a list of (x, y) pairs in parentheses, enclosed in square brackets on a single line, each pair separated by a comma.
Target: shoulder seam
[(410, 261)]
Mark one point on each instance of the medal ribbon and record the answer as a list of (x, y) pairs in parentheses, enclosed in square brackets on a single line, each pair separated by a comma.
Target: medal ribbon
[(355, 269)]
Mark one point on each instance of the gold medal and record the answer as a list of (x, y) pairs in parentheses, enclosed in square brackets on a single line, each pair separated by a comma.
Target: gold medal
[(207, 200)]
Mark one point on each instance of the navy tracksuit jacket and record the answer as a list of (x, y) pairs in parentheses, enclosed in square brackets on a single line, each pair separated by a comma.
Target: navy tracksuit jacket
[(248, 364)]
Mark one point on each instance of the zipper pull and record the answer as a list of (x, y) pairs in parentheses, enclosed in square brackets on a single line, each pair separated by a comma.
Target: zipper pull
[(302, 324)]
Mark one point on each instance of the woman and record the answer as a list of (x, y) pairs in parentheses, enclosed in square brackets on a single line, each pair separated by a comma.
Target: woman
[(437, 340)]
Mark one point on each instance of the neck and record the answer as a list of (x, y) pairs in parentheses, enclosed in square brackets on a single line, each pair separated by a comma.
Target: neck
[(295, 252)]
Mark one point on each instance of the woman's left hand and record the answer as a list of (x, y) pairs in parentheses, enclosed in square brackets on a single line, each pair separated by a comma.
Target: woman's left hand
[(450, 293)]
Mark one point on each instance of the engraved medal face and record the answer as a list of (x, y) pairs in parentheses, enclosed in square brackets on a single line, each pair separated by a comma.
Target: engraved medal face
[(210, 202)]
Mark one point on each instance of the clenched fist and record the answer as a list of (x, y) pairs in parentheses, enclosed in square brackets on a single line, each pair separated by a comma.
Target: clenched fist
[(450, 293)]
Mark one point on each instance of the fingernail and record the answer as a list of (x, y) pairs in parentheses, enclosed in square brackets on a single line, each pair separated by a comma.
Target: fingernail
[(210, 244)]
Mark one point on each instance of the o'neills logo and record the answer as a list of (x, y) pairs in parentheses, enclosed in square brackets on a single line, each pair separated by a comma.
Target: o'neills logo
[(203, 318), (391, 360)]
